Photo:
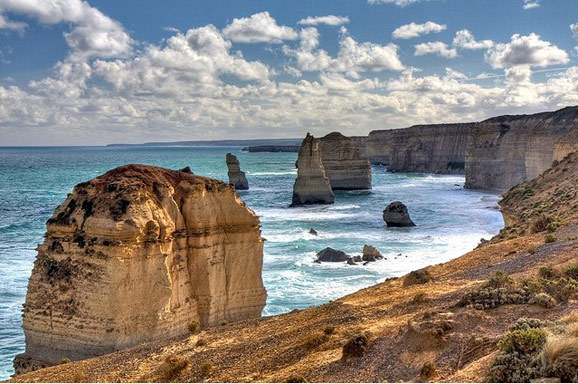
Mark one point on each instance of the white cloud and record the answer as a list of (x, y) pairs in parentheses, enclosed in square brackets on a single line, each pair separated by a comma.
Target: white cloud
[(574, 29), (412, 30), (11, 25), (93, 34), (259, 28), (327, 20), (526, 50), (352, 58), (465, 40), (437, 48), (531, 4), (399, 3)]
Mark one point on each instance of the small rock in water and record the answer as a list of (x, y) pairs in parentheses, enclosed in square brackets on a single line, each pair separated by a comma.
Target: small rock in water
[(313, 232), (357, 259), (396, 215), (371, 253), (350, 261), (330, 255)]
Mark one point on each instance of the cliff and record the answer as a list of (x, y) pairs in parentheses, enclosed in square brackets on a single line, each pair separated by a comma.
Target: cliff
[(236, 176), (312, 185), (422, 148), (507, 150), (411, 329), (137, 255), (346, 164)]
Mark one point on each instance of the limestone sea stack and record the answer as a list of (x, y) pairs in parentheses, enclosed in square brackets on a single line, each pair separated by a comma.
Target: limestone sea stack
[(236, 176), (136, 255), (346, 163), (312, 185), (396, 215)]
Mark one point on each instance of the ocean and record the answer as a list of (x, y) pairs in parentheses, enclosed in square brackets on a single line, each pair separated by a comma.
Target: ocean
[(450, 221)]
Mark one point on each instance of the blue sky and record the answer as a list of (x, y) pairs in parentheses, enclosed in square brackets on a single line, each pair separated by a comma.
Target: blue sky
[(75, 72)]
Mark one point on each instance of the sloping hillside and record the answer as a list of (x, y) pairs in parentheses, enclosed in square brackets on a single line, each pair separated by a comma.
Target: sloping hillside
[(442, 324)]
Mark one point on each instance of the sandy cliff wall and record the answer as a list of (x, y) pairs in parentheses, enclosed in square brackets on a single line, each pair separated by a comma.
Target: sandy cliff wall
[(422, 148), (346, 163), (135, 255), (507, 150), (312, 185)]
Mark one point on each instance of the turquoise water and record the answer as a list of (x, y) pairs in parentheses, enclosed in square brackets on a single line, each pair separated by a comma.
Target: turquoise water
[(451, 221)]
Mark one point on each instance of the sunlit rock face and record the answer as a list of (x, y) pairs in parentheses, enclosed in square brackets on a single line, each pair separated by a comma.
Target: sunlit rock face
[(346, 163), (136, 255), (437, 148), (236, 176), (312, 185), (507, 150)]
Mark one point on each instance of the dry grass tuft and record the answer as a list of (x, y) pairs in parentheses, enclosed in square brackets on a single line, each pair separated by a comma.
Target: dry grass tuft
[(172, 367), (559, 358)]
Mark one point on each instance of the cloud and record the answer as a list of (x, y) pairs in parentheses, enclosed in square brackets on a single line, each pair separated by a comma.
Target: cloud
[(437, 48), (526, 50), (11, 25), (574, 29), (399, 3), (465, 40), (531, 4), (327, 20), (259, 28), (412, 30), (93, 34), (353, 57)]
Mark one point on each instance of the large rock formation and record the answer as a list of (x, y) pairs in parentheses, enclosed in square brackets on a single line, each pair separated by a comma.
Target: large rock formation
[(236, 176), (136, 255), (312, 185), (507, 150), (346, 164), (396, 215), (422, 148)]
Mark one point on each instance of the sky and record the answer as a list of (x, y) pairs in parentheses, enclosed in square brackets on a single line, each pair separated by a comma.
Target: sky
[(95, 72)]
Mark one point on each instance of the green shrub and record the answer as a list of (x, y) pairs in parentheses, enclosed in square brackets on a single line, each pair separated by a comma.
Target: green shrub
[(548, 272), (543, 223), (427, 370), (421, 276), (172, 367), (524, 323), (526, 341), (206, 368), (329, 330), (549, 238), (500, 279), (572, 272), (559, 358), (543, 300), (531, 250)]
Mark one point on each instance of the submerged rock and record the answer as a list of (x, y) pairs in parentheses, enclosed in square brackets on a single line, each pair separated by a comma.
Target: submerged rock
[(136, 255), (396, 215), (371, 253), (330, 255), (236, 176), (312, 185)]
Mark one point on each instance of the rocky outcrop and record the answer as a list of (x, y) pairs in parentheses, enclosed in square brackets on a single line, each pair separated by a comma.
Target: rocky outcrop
[(236, 176), (272, 148), (346, 164), (312, 185), (422, 148), (136, 255), (330, 255), (371, 253), (396, 215), (507, 150)]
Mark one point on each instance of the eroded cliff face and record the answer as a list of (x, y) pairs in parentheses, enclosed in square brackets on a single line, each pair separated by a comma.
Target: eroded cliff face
[(136, 255), (423, 148), (346, 163), (312, 185), (236, 176), (507, 150)]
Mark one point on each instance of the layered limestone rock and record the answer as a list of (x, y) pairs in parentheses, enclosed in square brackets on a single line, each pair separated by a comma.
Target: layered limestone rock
[(422, 148), (396, 215), (136, 255), (346, 163), (236, 176), (507, 150), (312, 185)]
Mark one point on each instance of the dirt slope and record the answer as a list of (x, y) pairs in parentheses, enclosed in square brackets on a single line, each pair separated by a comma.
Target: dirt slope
[(408, 325)]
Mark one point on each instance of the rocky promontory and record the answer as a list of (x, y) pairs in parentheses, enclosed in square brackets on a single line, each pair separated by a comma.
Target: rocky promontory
[(312, 185), (140, 254), (346, 164), (236, 176), (439, 148), (506, 150)]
